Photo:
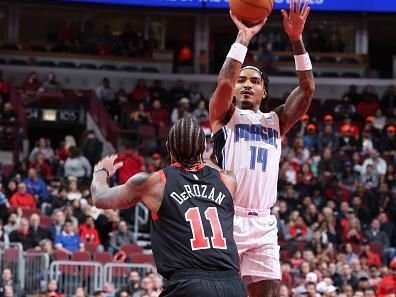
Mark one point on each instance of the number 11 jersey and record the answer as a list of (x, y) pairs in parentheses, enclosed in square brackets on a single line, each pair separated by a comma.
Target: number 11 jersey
[(249, 145), (193, 229)]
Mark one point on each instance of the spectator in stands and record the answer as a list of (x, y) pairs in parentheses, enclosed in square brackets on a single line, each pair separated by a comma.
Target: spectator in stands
[(39, 233), (387, 286), (200, 110), (147, 288), (195, 95), (120, 237), (36, 186), (133, 163), (316, 42), (105, 93), (370, 178), (372, 258), (157, 92), (327, 139), (374, 234), (7, 281), (80, 292), (30, 87), (52, 290), (92, 147), (77, 165), (41, 166), (43, 147), (133, 284), (388, 227), (63, 151), (346, 142), (88, 233), (12, 223), (310, 138), (139, 117), (177, 92), (51, 85), (23, 199), (378, 163), (140, 93), (88, 38), (345, 108), (182, 110), (68, 241), (336, 44), (4, 88), (388, 102), (159, 116), (66, 37), (24, 236), (8, 113), (388, 141), (58, 221)]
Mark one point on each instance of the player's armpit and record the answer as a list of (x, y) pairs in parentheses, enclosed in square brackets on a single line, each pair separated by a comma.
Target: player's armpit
[(142, 186)]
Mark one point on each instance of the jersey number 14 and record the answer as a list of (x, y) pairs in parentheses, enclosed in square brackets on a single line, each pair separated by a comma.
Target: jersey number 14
[(258, 155), (199, 240)]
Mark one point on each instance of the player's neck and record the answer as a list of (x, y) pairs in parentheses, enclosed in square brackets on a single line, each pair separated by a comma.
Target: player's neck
[(197, 166)]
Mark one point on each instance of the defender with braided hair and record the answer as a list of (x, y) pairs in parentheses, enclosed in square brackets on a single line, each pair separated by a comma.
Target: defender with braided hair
[(192, 216)]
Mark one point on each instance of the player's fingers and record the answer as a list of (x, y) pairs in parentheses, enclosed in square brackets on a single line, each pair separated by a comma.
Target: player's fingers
[(118, 166), (291, 9), (237, 22), (298, 7), (306, 13), (304, 9), (284, 13)]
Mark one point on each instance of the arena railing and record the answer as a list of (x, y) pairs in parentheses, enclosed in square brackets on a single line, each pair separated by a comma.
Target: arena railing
[(117, 273), (36, 265), (74, 274), (11, 256)]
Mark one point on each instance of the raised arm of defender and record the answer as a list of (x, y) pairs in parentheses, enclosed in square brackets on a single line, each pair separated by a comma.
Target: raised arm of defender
[(141, 187), (220, 106), (299, 100)]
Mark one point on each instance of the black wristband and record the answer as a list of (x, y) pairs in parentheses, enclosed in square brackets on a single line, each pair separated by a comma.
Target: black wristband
[(103, 169)]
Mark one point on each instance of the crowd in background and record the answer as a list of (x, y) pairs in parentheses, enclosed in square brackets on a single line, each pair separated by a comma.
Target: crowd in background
[(337, 187)]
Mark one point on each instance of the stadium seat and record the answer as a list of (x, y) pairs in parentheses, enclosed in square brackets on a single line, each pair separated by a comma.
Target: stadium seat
[(285, 59), (108, 67), (329, 74), (67, 65), (147, 133), (46, 64), (10, 47), (81, 256), (163, 132), (103, 257), (314, 108), (350, 75), (327, 60), (129, 68), (149, 69), (87, 66), (141, 259), (61, 255), (329, 104), (91, 247), (17, 62), (38, 48), (286, 73), (131, 248), (349, 60), (27, 212), (2, 61)]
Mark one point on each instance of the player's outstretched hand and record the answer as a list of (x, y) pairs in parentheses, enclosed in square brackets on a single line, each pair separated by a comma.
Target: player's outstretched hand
[(249, 32), (108, 164), (294, 21)]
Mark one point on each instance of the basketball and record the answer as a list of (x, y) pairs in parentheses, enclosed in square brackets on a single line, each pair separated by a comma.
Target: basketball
[(251, 11)]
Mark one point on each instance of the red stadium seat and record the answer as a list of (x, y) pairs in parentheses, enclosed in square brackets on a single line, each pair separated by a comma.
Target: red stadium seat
[(91, 247), (81, 256), (131, 248), (27, 212), (61, 255), (142, 259), (103, 257), (45, 221), (377, 248)]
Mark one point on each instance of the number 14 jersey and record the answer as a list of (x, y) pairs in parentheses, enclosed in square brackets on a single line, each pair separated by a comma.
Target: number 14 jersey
[(250, 146), (193, 229)]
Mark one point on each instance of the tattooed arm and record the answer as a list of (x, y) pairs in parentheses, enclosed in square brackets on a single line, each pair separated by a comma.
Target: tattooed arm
[(220, 106), (299, 100), (141, 187)]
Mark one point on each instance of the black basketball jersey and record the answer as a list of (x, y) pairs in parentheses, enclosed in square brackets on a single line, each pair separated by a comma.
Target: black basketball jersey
[(193, 229)]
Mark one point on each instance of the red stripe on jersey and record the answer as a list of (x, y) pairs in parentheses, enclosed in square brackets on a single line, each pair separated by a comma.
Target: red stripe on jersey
[(154, 216)]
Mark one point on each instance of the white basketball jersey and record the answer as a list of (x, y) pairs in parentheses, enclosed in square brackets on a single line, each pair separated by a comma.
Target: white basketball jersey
[(250, 146)]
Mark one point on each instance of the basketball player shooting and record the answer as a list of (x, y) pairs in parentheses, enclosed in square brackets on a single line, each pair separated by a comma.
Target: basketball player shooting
[(192, 226), (248, 142)]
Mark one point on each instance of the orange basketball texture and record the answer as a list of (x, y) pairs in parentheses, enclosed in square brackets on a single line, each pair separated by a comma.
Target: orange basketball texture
[(251, 11)]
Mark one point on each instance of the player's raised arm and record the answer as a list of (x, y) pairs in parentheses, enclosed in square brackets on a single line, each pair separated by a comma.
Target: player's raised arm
[(220, 106), (299, 100), (141, 187)]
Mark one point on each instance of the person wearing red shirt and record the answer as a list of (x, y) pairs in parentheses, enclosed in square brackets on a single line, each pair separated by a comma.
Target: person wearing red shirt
[(387, 287), (41, 165), (4, 87), (367, 107), (22, 199), (141, 92), (159, 115), (372, 258), (132, 163), (88, 233)]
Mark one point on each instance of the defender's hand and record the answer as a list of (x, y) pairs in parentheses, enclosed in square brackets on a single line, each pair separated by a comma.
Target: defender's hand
[(294, 22), (108, 164), (246, 33)]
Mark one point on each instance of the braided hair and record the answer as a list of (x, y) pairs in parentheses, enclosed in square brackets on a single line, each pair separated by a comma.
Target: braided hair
[(186, 142)]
